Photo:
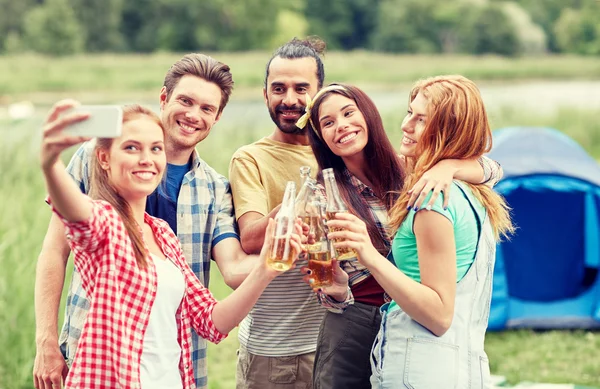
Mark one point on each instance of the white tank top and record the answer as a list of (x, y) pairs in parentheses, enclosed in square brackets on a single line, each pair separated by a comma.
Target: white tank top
[(159, 367)]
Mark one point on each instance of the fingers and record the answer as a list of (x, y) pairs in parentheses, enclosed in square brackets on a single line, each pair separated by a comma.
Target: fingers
[(296, 245), (309, 280), (56, 381), (354, 225), (446, 196), (415, 191), (345, 216), (58, 125), (61, 107), (420, 196)]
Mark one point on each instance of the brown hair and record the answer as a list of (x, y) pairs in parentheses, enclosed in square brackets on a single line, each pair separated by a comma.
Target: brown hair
[(101, 188), (385, 170), (205, 67), (457, 127)]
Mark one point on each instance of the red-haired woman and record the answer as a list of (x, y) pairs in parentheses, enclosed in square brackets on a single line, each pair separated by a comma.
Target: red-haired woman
[(144, 297), (347, 134), (432, 333)]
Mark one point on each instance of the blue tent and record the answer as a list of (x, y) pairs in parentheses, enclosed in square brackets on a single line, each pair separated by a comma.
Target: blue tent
[(546, 276)]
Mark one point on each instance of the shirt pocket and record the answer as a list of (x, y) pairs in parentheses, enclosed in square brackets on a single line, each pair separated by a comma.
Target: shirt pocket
[(431, 364)]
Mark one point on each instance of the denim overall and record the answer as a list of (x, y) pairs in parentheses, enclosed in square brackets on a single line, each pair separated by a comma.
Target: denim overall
[(407, 355)]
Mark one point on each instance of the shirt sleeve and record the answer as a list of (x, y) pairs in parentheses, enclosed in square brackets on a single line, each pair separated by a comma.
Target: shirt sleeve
[(201, 303), (80, 164), (492, 171), (248, 191), (226, 226), (438, 205), (86, 236), (332, 304)]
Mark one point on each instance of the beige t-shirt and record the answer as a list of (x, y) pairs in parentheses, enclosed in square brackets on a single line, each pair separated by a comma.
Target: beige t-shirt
[(286, 318), (259, 172)]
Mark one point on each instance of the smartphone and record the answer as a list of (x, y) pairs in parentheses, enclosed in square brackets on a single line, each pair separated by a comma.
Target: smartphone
[(105, 121)]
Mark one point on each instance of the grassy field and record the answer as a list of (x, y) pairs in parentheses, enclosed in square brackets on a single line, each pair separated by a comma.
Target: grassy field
[(40, 78), (556, 356)]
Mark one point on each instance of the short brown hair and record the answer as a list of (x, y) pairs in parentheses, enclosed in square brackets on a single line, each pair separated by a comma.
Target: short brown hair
[(205, 67)]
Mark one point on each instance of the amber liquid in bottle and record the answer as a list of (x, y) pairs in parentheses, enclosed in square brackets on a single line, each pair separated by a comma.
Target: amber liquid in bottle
[(281, 256), (319, 262)]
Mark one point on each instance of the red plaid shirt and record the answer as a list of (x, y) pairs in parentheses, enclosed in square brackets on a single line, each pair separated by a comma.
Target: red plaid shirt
[(122, 294)]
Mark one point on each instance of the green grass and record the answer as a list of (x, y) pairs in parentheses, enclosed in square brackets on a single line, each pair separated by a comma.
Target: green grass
[(133, 75), (556, 356)]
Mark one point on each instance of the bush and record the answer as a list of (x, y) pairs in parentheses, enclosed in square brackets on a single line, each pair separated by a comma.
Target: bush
[(577, 32), (52, 29)]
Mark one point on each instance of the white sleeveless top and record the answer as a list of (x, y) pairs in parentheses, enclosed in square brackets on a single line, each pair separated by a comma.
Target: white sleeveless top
[(159, 367)]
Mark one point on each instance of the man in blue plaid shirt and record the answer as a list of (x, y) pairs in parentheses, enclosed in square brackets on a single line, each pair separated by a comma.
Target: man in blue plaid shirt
[(196, 202)]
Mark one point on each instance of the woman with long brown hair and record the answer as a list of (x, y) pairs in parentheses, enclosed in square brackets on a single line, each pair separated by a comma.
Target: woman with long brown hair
[(144, 297), (432, 333), (347, 134)]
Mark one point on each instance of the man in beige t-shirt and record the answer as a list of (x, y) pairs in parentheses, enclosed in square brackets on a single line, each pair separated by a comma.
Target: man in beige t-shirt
[(278, 338)]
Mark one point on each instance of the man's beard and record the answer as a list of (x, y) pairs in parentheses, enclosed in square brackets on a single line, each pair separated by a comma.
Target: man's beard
[(287, 126)]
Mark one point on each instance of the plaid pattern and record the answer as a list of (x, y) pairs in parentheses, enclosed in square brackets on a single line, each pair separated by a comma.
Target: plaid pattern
[(122, 294), (357, 272), (204, 218), (492, 173)]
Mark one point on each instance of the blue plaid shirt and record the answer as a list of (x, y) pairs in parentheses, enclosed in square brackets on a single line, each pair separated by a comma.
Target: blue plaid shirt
[(204, 218)]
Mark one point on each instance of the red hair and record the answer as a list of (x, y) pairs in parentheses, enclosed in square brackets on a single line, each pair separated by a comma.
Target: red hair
[(457, 127)]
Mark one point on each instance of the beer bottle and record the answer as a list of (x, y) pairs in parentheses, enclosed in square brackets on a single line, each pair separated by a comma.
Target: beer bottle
[(335, 204), (280, 255), (307, 187), (321, 251)]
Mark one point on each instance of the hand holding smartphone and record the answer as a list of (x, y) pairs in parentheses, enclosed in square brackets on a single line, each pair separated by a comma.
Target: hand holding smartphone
[(105, 121)]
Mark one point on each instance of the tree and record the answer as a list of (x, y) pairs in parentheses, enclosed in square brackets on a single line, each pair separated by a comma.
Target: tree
[(343, 24), (488, 29), (102, 21), (52, 28), (406, 26), (11, 20), (139, 22), (577, 31)]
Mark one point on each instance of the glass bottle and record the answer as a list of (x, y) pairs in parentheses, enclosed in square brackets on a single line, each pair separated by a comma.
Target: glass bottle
[(304, 193), (335, 204), (321, 251), (280, 255)]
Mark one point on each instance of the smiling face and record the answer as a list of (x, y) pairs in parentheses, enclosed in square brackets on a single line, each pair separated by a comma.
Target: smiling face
[(288, 83), (413, 126), (189, 113), (343, 126), (136, 160)]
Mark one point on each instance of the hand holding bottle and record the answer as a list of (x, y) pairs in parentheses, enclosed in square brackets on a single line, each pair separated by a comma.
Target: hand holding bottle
[(295, 245), (349, 232), (338, 289)]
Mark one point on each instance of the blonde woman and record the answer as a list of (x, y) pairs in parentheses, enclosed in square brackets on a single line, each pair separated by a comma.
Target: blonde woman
[(145, 299), (432, 333)]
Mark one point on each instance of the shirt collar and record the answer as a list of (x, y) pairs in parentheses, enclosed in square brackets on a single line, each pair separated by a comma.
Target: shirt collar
[(358, 184)]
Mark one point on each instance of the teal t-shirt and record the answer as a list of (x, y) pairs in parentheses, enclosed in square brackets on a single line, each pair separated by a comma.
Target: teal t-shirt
[(466, 233)]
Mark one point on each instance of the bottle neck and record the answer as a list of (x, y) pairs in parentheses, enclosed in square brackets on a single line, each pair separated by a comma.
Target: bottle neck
[(334, 200), (289, 196)]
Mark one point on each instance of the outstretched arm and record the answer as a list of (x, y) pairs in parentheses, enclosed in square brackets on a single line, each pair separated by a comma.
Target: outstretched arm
[(234, 264), (66, 197), (228, 313)]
